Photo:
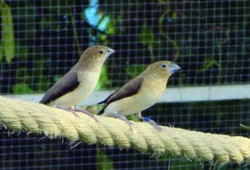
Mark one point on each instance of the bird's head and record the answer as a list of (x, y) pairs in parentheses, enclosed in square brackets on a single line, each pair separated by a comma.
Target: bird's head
[(95, 55), (162, 69)]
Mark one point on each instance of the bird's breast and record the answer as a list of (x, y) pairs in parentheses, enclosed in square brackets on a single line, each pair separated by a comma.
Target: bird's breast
[(87, 85), (147, 96)]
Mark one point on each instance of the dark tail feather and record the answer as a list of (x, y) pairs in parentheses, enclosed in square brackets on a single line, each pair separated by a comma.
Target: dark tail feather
[(102, 110), (43, 102), (103, 102)]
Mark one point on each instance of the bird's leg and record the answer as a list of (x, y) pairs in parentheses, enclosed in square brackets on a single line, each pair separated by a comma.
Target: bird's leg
[(74, 110), (67, 109), (120, 116), (147, 119), (85, 111)]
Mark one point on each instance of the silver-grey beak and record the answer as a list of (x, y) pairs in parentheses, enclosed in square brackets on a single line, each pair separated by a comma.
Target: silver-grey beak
[(174, 68), (110, 51)]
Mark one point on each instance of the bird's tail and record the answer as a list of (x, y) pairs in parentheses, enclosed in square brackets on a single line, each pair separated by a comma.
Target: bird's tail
[(102, 110)]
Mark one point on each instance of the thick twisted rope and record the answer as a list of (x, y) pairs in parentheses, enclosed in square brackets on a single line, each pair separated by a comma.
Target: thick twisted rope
[(19, 115)]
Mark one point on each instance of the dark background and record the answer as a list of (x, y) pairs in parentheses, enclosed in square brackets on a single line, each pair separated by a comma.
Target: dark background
[(208, 39)]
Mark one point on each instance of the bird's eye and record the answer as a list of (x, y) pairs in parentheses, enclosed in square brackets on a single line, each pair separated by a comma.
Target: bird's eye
[(101, 51), (163, 65)]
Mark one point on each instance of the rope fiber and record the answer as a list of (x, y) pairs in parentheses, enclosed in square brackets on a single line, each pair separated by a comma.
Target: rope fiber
[(18, 115)]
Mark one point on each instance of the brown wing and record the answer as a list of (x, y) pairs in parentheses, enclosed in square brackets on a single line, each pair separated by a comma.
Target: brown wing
[(66, 84), (129, 89)]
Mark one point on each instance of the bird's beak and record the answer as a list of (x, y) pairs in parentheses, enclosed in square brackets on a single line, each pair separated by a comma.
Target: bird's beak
[(110, 51), (174, 68)]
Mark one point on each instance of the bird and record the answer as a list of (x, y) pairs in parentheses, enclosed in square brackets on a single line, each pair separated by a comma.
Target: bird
[(140, 93), (79, 82)]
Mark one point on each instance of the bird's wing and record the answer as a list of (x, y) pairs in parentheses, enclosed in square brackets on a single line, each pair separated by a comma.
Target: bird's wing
[(129, 89), (66, 84)]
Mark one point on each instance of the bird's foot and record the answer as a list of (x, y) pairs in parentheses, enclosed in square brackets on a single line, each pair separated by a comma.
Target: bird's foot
[(74, 110), (119, 116), (86, 112), (151, 122), (67, 109)]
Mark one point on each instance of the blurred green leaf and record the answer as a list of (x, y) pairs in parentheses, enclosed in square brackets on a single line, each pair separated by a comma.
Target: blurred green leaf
[(22, 74), (111, 29), (22, 52), (174, 15), (46, 23), (209, 62), (245, 127), (42, 84), (133, 117), (178, 163), (8, 40), (103, 161), (146, 36), (135, 70), (21, 88), (1, 54)]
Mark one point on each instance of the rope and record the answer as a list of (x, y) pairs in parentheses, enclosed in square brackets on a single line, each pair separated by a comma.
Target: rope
[(19, 115)]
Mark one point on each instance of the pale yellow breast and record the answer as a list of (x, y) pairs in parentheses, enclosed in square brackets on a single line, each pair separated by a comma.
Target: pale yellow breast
[(148, 95), (87, 85)]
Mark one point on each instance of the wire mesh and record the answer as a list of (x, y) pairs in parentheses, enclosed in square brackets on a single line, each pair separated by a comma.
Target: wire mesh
[(42, 40)]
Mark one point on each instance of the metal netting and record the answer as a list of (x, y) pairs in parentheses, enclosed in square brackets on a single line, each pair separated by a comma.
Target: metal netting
[(42, 40)]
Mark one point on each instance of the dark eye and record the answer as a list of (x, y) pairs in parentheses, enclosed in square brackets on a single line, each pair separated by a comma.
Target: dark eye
[(163, 65), (101, 51)]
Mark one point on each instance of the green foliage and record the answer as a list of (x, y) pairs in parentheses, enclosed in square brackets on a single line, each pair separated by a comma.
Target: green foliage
[(110, 30), (135, 70), (232, 166), (146, 37), (22, 75), (21, 88), (209, 63), (40, 82), (103, 161), (21, 52), (174, 15), (133, 117), (180, 163), (8, 40), (209, 48), (245, 127)]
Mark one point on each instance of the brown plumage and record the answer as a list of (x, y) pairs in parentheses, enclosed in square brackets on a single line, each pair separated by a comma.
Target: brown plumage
[(77, 84), (140, 93)]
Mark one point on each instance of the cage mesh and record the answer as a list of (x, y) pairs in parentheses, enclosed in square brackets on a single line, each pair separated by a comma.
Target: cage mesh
[(42, 40)]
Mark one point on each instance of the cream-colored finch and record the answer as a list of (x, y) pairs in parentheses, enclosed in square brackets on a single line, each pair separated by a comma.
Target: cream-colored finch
[(140, 93), (77, 84)]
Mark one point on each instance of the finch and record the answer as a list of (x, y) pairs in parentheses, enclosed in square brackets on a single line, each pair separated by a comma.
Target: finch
[(140, 93), (79, 82)]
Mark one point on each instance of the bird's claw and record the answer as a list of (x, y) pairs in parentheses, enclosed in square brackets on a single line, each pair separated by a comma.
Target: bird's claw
[(130, 125), (74, 110), (67, 109), (119, 116), (151, 122), (86, 112)]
